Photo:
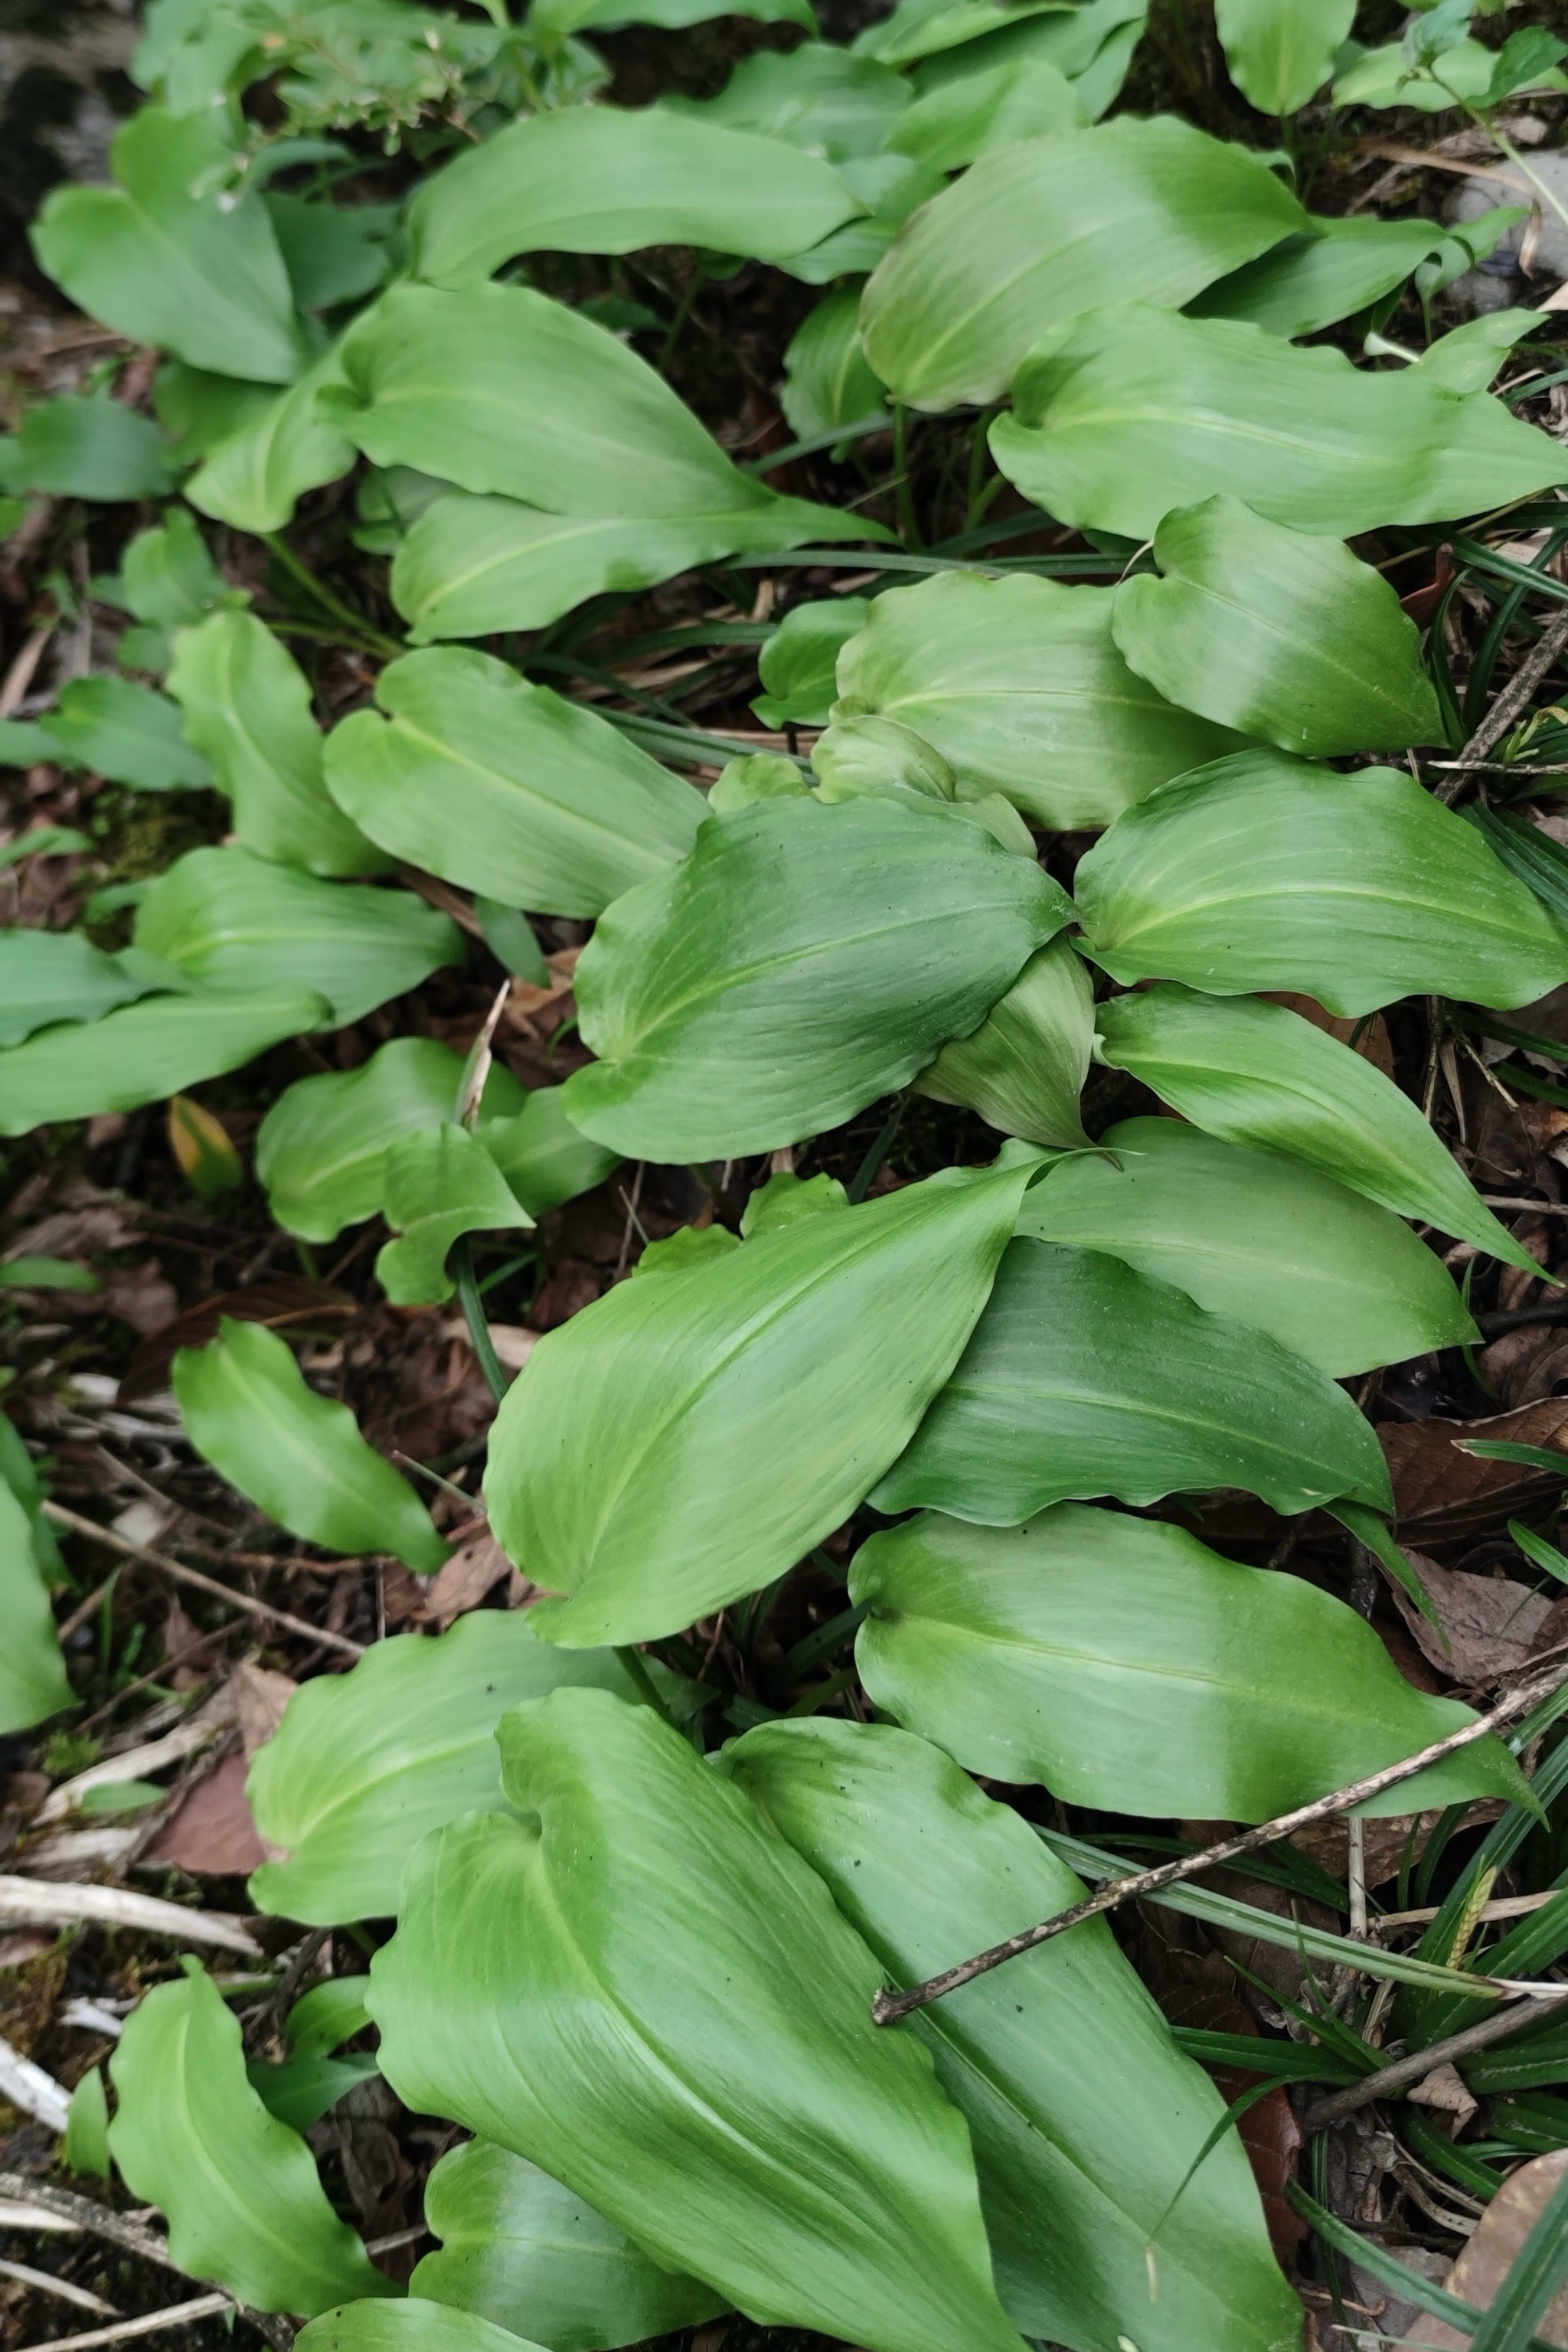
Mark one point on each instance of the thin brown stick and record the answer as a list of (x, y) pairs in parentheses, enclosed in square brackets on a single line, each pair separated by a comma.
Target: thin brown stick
[(886, 2007), (1510, 703), (1420, 2062), (83, 1610), (208, 1584), (85, 2213)]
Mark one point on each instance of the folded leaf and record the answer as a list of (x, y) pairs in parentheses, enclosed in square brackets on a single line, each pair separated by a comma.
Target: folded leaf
[(513, 2243), (33, 1682), (48, 976), (1023, 1069), (601, 179), (1128, 1667), (132, 734), (364, 1764), (246, 704), (301, 2091), (254, 476), (818, 96), (923, 28), (504, 787), (685, 1439), (1312, 279), (233, 921), (296, 1456), (140, 1052), (1259, 1074), (633, 1983), (1132, 211), (244, 2204), (1134, 411), (1280, 633), (1084, 1378), (544, 1159), (1326, 1272), (408, 2326), (438, 1185), (798, 664), (891, 187), (827, 377), (1086, 2118), (199, 273), (326, 2016), (1019, 684), (1262, 873), (803, 961), (961, 120), (1280, 51)]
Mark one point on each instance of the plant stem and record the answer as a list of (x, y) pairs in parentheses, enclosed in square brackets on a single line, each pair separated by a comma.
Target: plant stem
[(374, 639), (908, 529)]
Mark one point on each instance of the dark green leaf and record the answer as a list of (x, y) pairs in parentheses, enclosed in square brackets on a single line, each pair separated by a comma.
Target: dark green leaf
[(438, 1185), (1023, 1069), (48, 976)]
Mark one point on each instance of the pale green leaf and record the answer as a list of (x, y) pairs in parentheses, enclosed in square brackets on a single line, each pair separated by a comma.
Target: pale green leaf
[(330, 2013), (166, 576), (409, 2325), (819, 97), (48, 976), (87, 446), (1091, 42), (1131, 211), (1311, 280), (756, 776), (1085, 2117), (33, 1682), (505, 787), (1468, 356), (247, 706), (1019, 684), (923, 28), (301, 2091), (255, 475), (86, 2143), (1268, 1241), (1277, 633), (132, 734), (1384, 77), (889, 188), (544, 1159), (438, 1185), (1128, 1667), (962, 120), (240, 2190), (1084, 1378), (827, 377), (683, 1440), (515, 2243), (1259, 1074), (786, 1198), (198, 409), (1134, 411), (803, 961), (1023, 1069), (798, 664), (554, 19), (364, 1764), (140, 1052), (1279, 51), (639, 1987), (296, 1456)]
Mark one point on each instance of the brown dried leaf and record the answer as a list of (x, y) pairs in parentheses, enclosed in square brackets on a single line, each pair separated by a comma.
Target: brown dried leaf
[(1445, 2090), (289, 1301), (259, 1699), (1490, 2254), (142, 1295), (1446, 1492), (1526, 1365), (472, 1572), (1491, 1623), (211, 1833), (75, 1233), (1383, 1842)]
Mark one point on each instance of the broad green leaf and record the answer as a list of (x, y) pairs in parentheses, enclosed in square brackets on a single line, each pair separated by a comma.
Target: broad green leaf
[(1279, 51), (1019, 684), (254, 476), (247, 706), (639, 1987), (33, 1682), (22, 744), (20, 1474), (48, 976), (598, 179), (1279, 634), (685, 1439), (1134, 411), (87, 446), (554, 19), (409, 2325), (140, 1052), (165, 258), (819, 97), (1311, 280), (962, 120), (333, 253), (544, 1159), (240, 2190), (85, 2148), (827, 377), (1259, 1074), (438, 1185), (198, 409), (1263, 872), (515, 2243), (1468, 357), (1131, 211), (132, 734), (1084, 1378), (798, 664), (321, 1148), (296, 1456), (365, 1763), (923, 28), (1023, 1069), (1085, 2117), (756, 776), (1092, 43), (1384, 77), (889, 188), (507, 788), (301, 2091), (1326, 1272), (167, 577), (801, 962), (231, 920)]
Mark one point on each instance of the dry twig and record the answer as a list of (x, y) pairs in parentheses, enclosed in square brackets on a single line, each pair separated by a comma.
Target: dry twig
[(200, 1583)]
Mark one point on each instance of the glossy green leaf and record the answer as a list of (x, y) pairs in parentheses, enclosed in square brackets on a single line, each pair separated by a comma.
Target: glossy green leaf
[(798, 664), (1259, 1074), (639, 1987), (244, 2204), (301, 2091), (409, 2325), (1263, 872), (1019, 684), (1279, 51), (231, 920), (48, 976), (326, 2016), (544, 1159), (254, 476), (365, 1763), (321, 1149), (438, 1185), (958, 121), (140, 1052), (1265, 1240), (818, 96), (515, 2243), (596, 179), (1279, 634), (33, 1682), (1023, 1069), (165, 256), (87, 446), (1084, 1378), (1131, 211), (132, 734), (827, 377), (247, 706), (1134, 411), (507, 788), (803, 961), (683, 1440), (296, 1456), (85, 2148), (1085, 2117), (1312, 279)]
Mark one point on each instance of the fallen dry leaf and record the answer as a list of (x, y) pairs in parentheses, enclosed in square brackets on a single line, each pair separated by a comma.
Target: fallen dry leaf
[(1527, 1365), (1447, 1493), (472, 1572), (1489, 2255), (142, 1295), (1445, 2090), (260, 1698), (290, 1301), (1383, 1842), (1491, 1623), (211, 1833)]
